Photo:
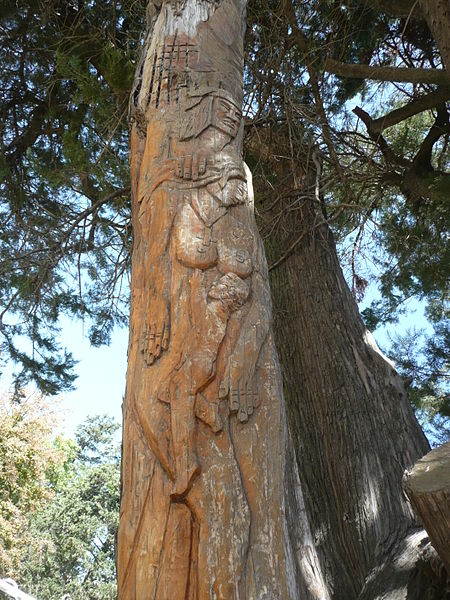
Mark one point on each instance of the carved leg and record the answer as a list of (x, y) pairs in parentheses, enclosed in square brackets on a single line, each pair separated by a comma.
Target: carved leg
[(219, 504), (146, 534), (176, 554), (183, 425)]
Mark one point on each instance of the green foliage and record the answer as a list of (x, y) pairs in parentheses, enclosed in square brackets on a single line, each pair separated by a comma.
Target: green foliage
[(412, 231), (424, 360), (64, 191), (65, 506), (30, 465), (353, 31)]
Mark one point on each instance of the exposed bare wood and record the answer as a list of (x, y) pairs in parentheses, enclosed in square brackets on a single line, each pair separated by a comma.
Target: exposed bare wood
[(428, 488)]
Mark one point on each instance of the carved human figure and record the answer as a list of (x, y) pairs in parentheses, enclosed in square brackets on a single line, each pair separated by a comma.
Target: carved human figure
[(204, 501), (212, 117), (210, 235), (215, 120)]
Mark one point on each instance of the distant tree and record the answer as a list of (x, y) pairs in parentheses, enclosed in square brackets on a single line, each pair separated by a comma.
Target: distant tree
[(30, 465), (59, 503), (77, 527)]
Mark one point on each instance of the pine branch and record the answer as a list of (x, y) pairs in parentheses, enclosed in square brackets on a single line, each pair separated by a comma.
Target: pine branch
[(386, 150), (409, 110), (394, 74), (440, 127)]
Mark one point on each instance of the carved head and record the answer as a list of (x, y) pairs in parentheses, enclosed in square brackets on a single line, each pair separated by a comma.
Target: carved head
[(211, 107), (226, 116)]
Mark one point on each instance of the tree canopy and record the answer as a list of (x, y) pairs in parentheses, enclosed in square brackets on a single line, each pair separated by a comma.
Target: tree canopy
[(29, 464)]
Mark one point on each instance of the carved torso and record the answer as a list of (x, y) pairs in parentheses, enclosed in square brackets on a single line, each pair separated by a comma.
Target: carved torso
[(194, 242), (226, 244), (235, 247)]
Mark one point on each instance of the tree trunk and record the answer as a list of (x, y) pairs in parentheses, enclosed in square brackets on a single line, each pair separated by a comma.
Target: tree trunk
[(437, 16), (354, 430), (211, 505)]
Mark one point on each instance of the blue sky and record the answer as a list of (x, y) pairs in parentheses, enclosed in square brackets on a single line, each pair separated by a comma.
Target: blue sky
[(100, 385)]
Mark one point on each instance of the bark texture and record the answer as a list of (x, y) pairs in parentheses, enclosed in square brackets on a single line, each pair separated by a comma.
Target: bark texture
[(437, 16), (428, 488), (354, 430), (211, 504), (396, 74)]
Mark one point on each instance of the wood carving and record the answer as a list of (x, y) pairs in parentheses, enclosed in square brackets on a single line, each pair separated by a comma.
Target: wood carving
[(204, 501)]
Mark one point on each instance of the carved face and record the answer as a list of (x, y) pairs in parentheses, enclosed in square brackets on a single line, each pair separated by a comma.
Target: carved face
[(226, 116)]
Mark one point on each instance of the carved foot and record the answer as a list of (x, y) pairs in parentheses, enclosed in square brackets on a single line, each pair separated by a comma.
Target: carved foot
[(244, 399), (169, 386)]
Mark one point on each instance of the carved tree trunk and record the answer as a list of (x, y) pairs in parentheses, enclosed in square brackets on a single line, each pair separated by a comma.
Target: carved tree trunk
[(211, 504)]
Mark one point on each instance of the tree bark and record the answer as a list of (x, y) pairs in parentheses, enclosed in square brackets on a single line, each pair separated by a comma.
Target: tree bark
[(428, 488), (354, 430), (211, 504), (420, 104), (437, 16), (395, 74)]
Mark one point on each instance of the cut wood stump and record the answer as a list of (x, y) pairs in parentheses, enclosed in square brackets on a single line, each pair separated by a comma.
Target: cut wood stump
[(427, 486)]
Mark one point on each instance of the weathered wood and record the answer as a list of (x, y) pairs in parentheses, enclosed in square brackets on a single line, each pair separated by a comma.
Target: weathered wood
[(427, 485), (207, 511)]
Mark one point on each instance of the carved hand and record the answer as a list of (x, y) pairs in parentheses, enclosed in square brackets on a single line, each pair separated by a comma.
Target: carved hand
[(192, 167), (234, 192), (155, 337)]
